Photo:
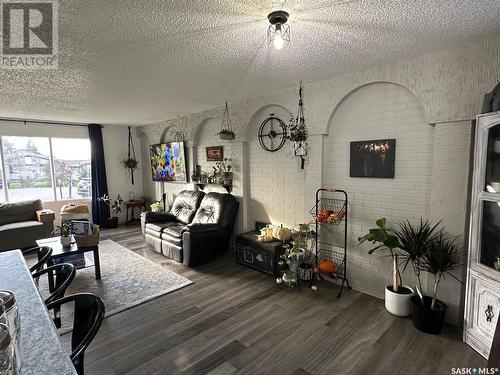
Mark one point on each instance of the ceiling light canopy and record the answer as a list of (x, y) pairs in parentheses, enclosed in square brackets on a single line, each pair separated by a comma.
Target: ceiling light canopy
[(278, 32)]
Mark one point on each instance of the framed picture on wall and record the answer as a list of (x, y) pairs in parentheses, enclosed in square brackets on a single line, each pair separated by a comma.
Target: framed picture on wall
[(375, 158), (215, 153)]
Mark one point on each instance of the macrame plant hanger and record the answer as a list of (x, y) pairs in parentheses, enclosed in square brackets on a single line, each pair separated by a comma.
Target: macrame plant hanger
[(301, 146), (131, 154), (226, 129)]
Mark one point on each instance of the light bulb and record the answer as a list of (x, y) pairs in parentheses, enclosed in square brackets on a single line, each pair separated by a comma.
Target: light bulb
[(278, 41)]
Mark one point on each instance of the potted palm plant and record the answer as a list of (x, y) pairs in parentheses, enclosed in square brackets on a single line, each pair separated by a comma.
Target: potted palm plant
[(397, 296), (442, 257), (415, 242)]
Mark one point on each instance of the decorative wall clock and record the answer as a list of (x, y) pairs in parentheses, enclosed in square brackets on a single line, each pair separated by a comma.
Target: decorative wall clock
[(272, 133)]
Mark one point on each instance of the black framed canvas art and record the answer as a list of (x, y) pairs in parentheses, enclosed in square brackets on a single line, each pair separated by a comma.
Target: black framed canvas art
[(375, 158)]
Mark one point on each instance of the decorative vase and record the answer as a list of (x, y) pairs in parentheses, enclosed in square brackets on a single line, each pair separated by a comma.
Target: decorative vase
[(398, 303), (65, 241), (425, 318)]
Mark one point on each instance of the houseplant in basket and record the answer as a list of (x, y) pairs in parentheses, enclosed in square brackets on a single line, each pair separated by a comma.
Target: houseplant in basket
[(442, 257), (114, 206), (397, 296)]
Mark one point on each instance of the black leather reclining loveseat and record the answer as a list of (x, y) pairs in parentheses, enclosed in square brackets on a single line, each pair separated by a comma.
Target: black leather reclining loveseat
[(198, 227)]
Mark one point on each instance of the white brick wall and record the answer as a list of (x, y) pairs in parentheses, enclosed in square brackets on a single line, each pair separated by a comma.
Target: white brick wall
[(207, 136), (449, 85), (276, 182), (379, 111)]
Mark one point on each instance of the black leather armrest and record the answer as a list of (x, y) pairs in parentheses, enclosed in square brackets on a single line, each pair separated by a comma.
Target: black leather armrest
[(201, 228), (155, 217), (201, 242)]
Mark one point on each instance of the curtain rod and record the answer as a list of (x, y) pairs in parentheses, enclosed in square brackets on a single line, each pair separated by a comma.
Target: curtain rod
[(46, 122)]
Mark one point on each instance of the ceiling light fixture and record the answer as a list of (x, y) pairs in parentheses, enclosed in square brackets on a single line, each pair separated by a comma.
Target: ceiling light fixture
[(278, 32)]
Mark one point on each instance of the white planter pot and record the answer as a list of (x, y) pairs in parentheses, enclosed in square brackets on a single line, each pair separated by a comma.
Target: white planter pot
[(65, 241), (398, 303)]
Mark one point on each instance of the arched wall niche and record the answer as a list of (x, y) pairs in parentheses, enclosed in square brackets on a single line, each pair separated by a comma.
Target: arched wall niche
[(361, 86), (379, 110)]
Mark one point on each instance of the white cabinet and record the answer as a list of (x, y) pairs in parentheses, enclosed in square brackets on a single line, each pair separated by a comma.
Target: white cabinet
[(482, 306)]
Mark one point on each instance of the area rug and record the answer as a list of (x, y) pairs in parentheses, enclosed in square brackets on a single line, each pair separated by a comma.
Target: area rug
[(127, 280)]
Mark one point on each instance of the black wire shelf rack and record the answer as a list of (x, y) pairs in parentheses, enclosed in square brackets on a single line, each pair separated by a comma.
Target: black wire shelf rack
[(330, 210)]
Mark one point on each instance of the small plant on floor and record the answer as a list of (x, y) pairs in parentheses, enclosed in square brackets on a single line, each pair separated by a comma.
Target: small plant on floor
[(442, 257), (415, 242), (293, 254), (115, 206), (386, 240)]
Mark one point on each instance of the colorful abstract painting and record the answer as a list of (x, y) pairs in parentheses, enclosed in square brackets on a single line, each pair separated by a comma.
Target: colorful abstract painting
[(168, 162)]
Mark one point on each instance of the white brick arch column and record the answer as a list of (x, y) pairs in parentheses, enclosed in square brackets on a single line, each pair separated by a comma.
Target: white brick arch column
[(380, 110)]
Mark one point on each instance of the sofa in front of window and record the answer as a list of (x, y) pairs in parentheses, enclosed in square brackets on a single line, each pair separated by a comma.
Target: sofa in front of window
[(19, 226), (197, 228)]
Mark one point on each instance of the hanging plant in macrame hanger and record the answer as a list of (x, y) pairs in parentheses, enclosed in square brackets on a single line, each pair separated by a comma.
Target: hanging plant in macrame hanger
[(298, 131), (131, 162), (226, 130)]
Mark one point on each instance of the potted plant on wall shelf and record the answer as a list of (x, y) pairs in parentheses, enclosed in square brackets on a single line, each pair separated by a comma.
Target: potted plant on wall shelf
[(442, 257), (223, 169), (114, 206), (397, 296)]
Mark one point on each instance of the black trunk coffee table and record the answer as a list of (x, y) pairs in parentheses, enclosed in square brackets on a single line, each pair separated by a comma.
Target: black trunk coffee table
[(58, 251)]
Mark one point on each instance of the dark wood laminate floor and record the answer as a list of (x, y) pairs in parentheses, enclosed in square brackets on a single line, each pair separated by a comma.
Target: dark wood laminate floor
[(234, 320)]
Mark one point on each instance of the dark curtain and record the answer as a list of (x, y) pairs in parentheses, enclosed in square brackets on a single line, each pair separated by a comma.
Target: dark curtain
[(98, 174)]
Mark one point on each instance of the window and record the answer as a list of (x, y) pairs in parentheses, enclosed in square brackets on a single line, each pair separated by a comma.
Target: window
[(27, 168), (45, 168), (71, 167)]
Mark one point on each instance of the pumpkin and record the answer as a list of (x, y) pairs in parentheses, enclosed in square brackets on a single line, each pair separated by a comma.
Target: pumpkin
[(282, 234), (326, 265), (265, 238), (269, 232)]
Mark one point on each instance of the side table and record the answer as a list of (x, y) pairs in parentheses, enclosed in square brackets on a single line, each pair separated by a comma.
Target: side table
[(130, 205)]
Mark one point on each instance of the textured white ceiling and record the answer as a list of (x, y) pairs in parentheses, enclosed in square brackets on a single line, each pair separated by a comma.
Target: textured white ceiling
[(141, 61)]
